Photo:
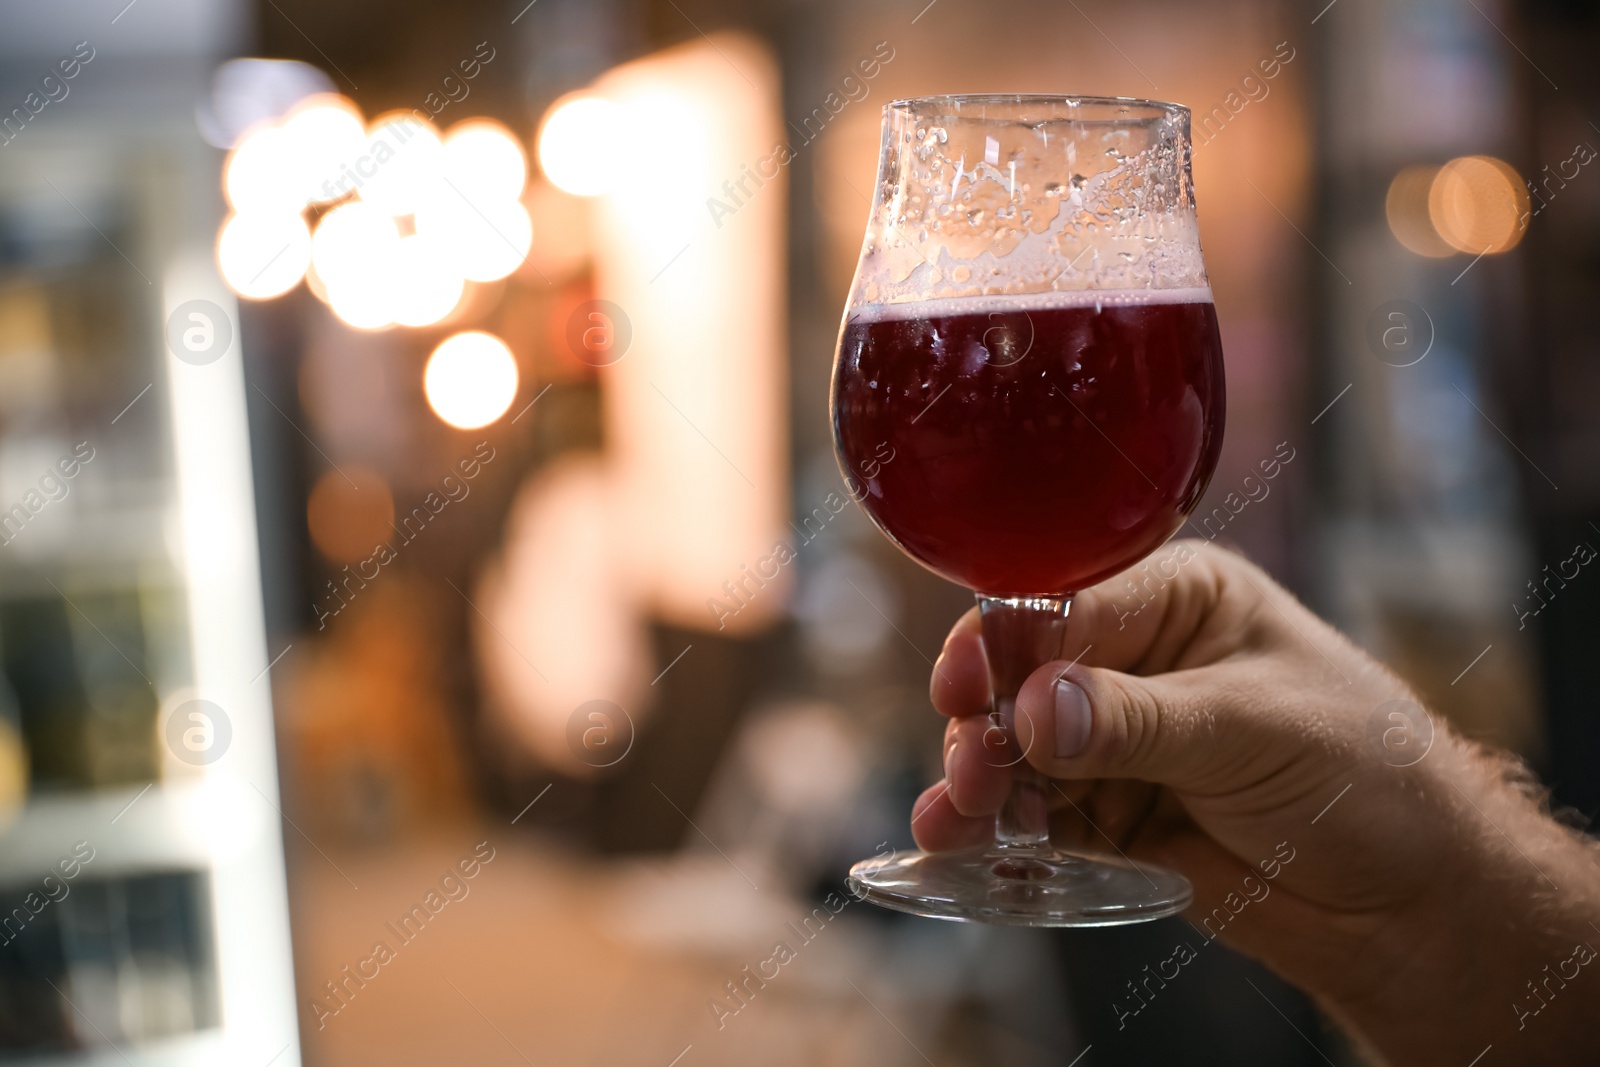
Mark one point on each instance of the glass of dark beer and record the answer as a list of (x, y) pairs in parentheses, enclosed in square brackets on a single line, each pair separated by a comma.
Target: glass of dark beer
[(1030, 335)]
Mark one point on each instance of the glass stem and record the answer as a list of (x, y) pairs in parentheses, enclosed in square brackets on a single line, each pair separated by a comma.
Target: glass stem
[(1019, 635)]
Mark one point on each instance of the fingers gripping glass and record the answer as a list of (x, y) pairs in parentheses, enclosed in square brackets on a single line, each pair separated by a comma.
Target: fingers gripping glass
[(1030, 331)]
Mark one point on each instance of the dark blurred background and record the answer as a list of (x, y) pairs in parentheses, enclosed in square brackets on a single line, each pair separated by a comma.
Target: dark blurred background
[(562, 662)]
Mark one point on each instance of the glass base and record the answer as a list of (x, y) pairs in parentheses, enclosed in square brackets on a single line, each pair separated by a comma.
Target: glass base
[(1031, 887)]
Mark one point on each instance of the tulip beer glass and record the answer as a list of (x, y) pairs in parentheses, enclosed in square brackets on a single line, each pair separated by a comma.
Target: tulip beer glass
[(1031, 332)]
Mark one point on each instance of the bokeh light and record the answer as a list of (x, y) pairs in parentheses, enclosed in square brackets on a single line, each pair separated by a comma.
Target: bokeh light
[(355, 252), (351, 240), (1406, 207), (349, 513), (470, 379), (581, 144), (457, 200), (428, 287), (482, 241), (367, 302), (248, 91), (263, 173), (1477, 204), (401, 167), (483, 162), (263, 254), (326, 135)]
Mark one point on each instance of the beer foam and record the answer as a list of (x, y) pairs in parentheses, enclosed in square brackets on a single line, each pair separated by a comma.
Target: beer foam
[(1024, 302), (1078, 205)]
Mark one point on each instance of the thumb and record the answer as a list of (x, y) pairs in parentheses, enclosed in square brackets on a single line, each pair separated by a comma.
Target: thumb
[(1191, 730)]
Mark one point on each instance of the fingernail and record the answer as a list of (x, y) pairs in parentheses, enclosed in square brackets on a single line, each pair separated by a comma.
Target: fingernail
[(949, 752), (1072, 719)]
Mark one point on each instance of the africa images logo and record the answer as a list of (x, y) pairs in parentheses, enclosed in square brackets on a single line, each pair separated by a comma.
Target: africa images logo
[(199, 332)]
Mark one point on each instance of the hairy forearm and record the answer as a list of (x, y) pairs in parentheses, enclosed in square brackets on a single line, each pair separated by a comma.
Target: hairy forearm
[(1502, 952)]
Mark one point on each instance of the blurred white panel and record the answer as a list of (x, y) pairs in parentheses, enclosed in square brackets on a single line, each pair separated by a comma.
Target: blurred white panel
[(237, 820)]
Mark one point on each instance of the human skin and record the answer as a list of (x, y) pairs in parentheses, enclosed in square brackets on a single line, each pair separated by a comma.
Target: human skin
[(1223, 719)]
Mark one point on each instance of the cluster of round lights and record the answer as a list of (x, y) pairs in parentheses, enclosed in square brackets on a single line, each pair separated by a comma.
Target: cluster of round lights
[(405, 217), (388, 221), (1474, 204)]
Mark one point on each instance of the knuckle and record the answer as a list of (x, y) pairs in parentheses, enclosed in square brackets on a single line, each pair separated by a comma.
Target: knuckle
[(1138, 729)]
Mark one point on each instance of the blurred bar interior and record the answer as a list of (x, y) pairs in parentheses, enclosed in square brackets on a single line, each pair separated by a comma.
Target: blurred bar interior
[(420, 517)]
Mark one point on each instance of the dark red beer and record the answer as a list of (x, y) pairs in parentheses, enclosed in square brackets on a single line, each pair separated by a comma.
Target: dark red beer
[(1038, 444)]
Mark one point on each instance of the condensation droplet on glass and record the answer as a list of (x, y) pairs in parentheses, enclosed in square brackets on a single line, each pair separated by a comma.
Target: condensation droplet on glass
[(1052, 189), (976, 217)]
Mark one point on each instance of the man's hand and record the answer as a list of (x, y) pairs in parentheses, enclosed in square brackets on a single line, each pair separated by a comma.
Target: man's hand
[(1221, 728)]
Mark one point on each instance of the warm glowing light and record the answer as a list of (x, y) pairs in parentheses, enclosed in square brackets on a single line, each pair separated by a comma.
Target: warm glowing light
[(349, 513), (327, 137), (707, 348), (484, 163), (470, 380), (263, 254), (429, 287), (581, 144), (355, 252), (462, 195), (482, 241), (400, 169), (263, 173), (1478, 204), (1406, 207), (366, 303), (352, 240)]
